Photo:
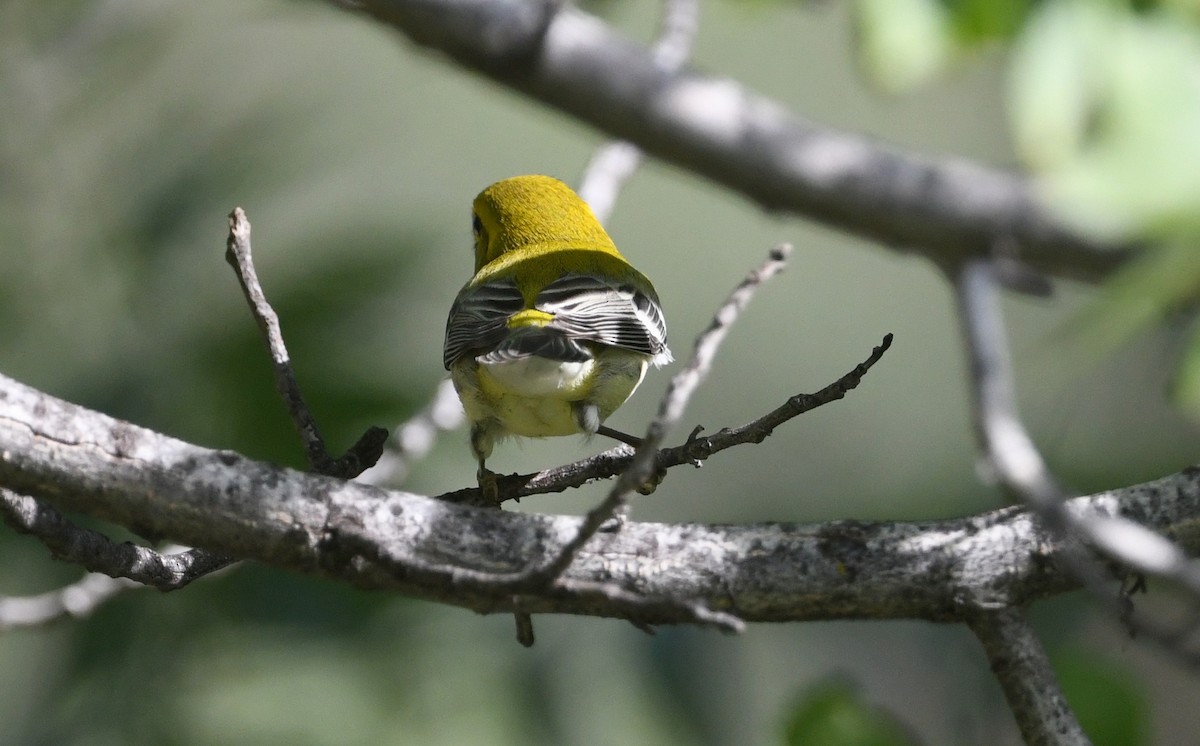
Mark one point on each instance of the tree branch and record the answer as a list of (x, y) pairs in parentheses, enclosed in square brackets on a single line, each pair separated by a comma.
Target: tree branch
[(1016, 464), (616, 161), (363, 454), (114, 567), (76, 459), (694, 451), (1024, 672), (96, 552), (946, 209)]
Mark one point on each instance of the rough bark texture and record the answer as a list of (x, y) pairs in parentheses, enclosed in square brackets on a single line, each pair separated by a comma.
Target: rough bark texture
[(80, 460)]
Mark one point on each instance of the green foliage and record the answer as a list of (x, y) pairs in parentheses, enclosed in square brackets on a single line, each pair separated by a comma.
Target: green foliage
[(1105, 696), (1104, 100), (131, 130), (1106, 107), (834, 713)]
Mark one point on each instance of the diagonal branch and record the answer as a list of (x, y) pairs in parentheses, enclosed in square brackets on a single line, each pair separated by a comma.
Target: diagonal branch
[(1024, 672), (1019, 468), (946, 209), (694, 451), (369, 447), (641, 467)]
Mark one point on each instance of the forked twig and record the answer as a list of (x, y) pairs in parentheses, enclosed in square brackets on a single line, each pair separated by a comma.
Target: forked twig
[(362, 454), (670, 409), (694, 450)]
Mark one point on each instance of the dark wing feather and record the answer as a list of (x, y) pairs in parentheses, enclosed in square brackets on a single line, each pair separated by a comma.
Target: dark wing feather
[(619, 315), (478, 322), (537, 341)]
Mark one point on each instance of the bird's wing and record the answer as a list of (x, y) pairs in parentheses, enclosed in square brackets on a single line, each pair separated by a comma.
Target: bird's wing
[(478, 321), (587, 307)]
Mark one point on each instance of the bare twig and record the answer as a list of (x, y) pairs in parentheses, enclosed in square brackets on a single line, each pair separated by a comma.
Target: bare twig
[(115, 566), (1024, 672), (671, 408), (362, 454), (694, 450), (1014, 461), (98, 553), (415, 437), (616, 161)]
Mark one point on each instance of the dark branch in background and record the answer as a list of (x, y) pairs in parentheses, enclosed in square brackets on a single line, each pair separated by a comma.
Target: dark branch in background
[(115, 567), (1024, 672), (363, 454), (98, 553), (694, 451), (946, 209)]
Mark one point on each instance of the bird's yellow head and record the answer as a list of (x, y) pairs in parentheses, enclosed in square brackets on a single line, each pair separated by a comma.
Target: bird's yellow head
[(533, 212)]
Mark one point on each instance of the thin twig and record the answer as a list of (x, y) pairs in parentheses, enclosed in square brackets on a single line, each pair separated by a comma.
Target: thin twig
[(166, 571), (671, 408), (369, 447), (1024, 672), (415, 437), (1014, 461), (115, 567), (693, 451)]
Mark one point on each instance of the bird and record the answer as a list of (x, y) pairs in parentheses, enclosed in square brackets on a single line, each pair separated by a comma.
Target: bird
[(556, 329)]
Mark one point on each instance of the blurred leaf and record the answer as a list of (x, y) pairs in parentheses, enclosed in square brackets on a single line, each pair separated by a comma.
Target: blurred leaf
[(1105, 696), (902, 43), (1185, 389), (1105, 110), (835, 714), (977, 21), (1162, 282), (1053, 82)]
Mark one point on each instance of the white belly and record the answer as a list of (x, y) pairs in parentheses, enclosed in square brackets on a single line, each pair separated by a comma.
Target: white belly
[(540, 377)]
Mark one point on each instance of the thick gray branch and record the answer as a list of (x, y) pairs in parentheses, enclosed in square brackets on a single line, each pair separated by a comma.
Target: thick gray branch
[(947, 209), (77, 459)]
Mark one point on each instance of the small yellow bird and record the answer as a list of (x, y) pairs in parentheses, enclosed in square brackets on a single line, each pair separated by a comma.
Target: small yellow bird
[(556, 329)]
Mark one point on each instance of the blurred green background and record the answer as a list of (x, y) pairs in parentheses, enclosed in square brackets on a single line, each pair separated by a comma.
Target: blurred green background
[(130, 130)]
